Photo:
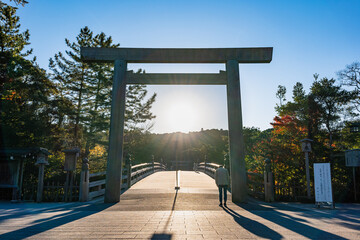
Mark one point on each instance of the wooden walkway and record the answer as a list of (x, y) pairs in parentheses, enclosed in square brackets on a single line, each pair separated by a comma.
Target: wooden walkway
[(152, 209), (190, 181), (157, 192)]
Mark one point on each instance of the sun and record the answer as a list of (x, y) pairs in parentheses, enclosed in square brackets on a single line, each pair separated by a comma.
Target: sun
[(182, 116)]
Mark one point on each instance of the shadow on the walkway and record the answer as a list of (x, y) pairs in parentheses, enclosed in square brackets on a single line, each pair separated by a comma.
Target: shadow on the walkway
[(291, 223), (73, 213), (252, 226), (346, 217), (164, 235)]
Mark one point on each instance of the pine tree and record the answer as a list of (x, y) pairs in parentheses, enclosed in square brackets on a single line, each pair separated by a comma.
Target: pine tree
[(73, 78), (88, 87), (332, 101), (100, 87), (24, 89), (350, 77), (137, 108)]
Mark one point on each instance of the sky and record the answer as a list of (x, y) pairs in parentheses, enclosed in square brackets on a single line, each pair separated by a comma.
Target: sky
[(318, 36)]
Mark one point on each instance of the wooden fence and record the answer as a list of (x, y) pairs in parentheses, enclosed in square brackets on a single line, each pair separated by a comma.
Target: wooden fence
[(290, 192), (54, 191)]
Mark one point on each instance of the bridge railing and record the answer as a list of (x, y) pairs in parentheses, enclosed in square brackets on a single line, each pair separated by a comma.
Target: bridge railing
[(255, 181), (140, 171), (94, 185), (208, 168)]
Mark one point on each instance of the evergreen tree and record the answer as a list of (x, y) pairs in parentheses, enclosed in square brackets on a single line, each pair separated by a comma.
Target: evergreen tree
[(331, 101), (73, 78), (88, 87), (350, 76), (280, 94), (137, 107), (24, 88)]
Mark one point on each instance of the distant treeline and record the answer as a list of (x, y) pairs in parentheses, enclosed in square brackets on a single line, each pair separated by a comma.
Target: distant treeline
[(192, 147)]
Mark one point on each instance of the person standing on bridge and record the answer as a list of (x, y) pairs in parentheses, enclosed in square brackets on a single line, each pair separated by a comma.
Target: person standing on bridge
[(222, 181)]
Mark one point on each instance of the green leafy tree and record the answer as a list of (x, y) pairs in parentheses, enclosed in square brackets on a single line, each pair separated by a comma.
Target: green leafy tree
[(304, 109), (318, 115)]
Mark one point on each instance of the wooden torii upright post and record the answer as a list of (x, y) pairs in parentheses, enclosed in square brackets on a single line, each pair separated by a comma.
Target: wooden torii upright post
[(230, 56)]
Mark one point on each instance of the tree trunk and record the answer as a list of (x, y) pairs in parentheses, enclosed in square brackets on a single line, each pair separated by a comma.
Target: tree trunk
[(77, 120)]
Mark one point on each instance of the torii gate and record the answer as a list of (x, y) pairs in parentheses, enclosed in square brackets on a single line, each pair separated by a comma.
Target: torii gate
[(230, 56)]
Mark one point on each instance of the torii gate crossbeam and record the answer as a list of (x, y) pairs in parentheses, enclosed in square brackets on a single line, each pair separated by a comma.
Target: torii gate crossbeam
[(230, 56)]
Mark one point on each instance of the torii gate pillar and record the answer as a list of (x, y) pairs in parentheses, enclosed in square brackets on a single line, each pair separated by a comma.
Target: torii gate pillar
[(236, 137), (116, 139)]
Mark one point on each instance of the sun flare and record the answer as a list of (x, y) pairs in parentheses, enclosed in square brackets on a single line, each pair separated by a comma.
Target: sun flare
[(182, 116)]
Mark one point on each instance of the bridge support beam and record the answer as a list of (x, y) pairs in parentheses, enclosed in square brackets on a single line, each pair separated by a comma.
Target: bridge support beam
[(116, 140), (236, 138)]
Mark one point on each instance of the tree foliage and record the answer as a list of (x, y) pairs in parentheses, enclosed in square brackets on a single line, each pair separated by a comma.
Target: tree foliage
[(70, 106), (350, 77), (25, 90), (280, 94), (321, 115), (88, 87)]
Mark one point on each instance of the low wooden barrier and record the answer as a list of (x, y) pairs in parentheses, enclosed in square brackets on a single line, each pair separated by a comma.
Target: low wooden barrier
[(255, 181), (208, 168), (96, 187), (96, 184), (54, 192)]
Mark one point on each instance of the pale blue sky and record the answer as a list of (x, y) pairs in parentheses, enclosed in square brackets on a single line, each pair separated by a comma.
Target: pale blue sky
[(308, 37)]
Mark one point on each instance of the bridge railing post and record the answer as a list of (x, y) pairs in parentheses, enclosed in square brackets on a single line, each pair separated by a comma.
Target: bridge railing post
[(205, 164), (128, 167), (153, 163)]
